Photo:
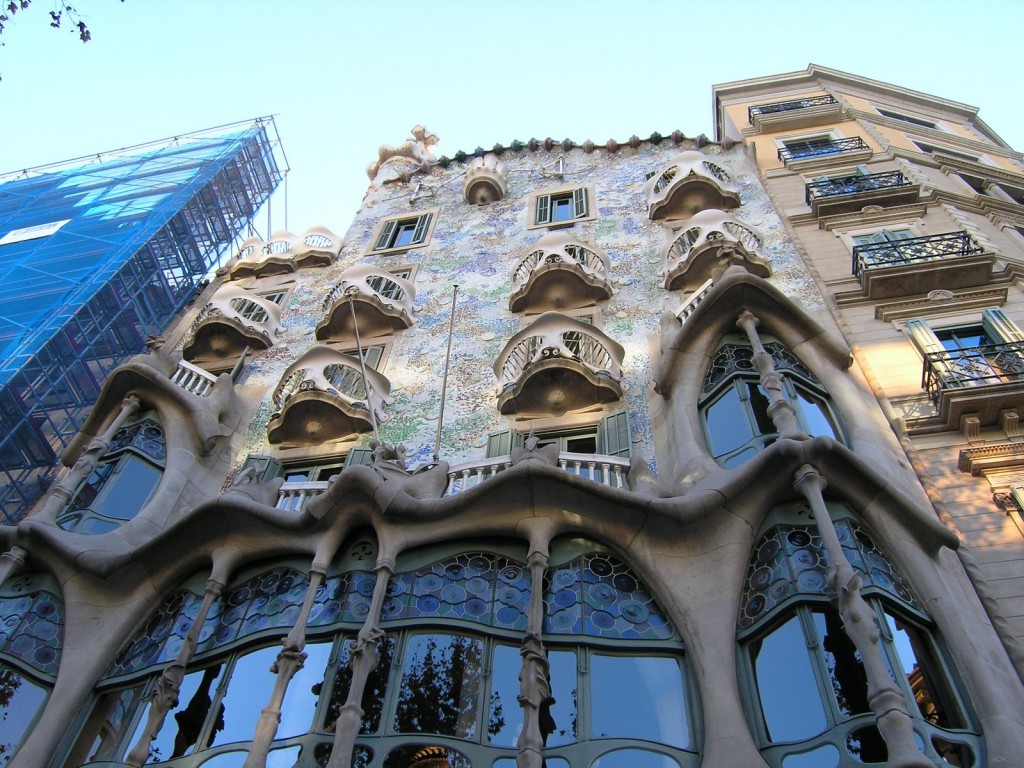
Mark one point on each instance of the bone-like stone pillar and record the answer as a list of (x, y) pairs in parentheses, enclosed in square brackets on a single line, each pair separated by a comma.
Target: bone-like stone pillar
[(859, 622), (534, 676), (780, 410)]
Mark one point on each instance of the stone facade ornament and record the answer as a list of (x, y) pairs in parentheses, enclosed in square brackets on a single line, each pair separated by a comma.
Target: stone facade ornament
[(411, 157)]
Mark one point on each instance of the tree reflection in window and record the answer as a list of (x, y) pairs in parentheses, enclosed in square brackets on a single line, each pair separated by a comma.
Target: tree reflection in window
[(809, 678), (735, 406)]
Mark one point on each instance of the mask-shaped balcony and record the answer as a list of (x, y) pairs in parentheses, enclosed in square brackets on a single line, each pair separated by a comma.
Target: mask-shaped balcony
[(286, 252), (233, 320), (690, 183), (383, 303), (711, 240), (558, 364), (485, 181), (560, 272), (322, 398)]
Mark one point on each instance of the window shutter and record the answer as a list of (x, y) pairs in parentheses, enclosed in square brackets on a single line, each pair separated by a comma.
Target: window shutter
[(265, 466), (579, 201), (926, 341), (386, 235), (359, 457), (372, 356), (863, 170), (501, 443), (1000, 328), (613, 435), (422, 223), (543, 210)]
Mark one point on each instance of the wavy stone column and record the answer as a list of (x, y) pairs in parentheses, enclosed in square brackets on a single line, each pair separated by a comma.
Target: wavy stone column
[(364, 661), (165, 697), (780, 410), (64, 490), (289, 661), (860, 624), (534, 676)]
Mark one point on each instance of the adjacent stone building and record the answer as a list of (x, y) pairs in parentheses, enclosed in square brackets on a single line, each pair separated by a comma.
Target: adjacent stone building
[(563, 454)]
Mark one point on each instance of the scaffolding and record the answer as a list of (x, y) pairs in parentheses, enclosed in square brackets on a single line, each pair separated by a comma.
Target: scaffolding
[(97, 255)]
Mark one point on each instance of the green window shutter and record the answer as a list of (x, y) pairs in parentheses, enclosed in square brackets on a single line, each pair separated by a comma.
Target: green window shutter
[(923, 336), (579, 201), (543, 210), (265, 466), (863, 170), (613, 435), (359, 457), (386, 234), (422, 224), (999, 327), (501, 443)]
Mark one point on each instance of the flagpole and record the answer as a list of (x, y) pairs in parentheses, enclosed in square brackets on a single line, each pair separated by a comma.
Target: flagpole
[(444, 380)]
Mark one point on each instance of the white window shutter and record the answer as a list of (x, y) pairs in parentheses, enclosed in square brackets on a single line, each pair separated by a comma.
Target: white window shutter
[(999, 327), (422, 224), (388, 232), (579, 201)]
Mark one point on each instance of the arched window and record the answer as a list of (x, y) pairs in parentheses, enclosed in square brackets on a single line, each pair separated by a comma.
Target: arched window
[(734, 406), (808, 689), (31, 637), (120, 486), (446, 685)]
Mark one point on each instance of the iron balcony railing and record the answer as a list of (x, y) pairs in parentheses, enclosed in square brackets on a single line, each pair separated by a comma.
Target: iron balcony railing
[(788, 106), (852, 185), (973, 367), (897, 253), (801, 150)]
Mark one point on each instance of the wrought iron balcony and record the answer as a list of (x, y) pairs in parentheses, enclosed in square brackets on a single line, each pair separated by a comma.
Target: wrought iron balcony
[(322, 397), (558, 364), (985, 366), (711, 239), (761, 110), (383, 303), (843, 194), (804, 150), (689, 183), (232, 321), (919, 265), (560, 272), (903, 252)]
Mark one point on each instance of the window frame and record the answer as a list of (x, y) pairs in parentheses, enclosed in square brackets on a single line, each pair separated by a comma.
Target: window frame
[(582, 200), (829, 134), (387, 229)]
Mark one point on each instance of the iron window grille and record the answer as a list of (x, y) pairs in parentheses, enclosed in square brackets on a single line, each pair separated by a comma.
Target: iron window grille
[(819, 147), (788, 106)]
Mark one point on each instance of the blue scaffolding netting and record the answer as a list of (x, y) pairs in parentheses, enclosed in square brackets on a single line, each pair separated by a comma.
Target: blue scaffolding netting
[(96, 256)]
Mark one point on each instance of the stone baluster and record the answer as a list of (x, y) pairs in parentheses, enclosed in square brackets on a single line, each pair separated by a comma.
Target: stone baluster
[(289, 660), (860, 624), (781, 411), (64, 490), (165, 697), (534, 676), (363, 662)]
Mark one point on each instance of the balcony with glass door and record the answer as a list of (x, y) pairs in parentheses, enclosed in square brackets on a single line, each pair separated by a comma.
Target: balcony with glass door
[(890, 264), (843, 194)]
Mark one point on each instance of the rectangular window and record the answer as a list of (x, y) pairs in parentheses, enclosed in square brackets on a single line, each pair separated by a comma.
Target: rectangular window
[(561, 207), (403, 232), (905, 118), (930, 149)]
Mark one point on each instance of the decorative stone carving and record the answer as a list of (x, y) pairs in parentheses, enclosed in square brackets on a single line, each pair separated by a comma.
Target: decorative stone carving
[(233, 320), (688, 184), (486, 181), (558, 364), (401, 162), (560, 272), (381, 302), (711, 240), (322, 397)]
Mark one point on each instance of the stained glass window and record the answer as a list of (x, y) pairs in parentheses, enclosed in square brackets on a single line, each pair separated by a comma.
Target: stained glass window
[(32, 624)]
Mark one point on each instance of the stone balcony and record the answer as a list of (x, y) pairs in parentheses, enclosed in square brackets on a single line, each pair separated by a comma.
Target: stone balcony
[(688, 184), (486, 181), (793, 114), (285, 252), (322, 398), (382, 303), (559, 272), (558, 364), (232, 321), (843, 194), (711, 240)]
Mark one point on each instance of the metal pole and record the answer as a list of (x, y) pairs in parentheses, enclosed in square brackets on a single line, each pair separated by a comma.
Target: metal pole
[(351, 292), (444, 380)]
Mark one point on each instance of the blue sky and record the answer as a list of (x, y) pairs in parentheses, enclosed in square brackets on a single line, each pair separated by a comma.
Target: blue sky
[(344, 77)]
